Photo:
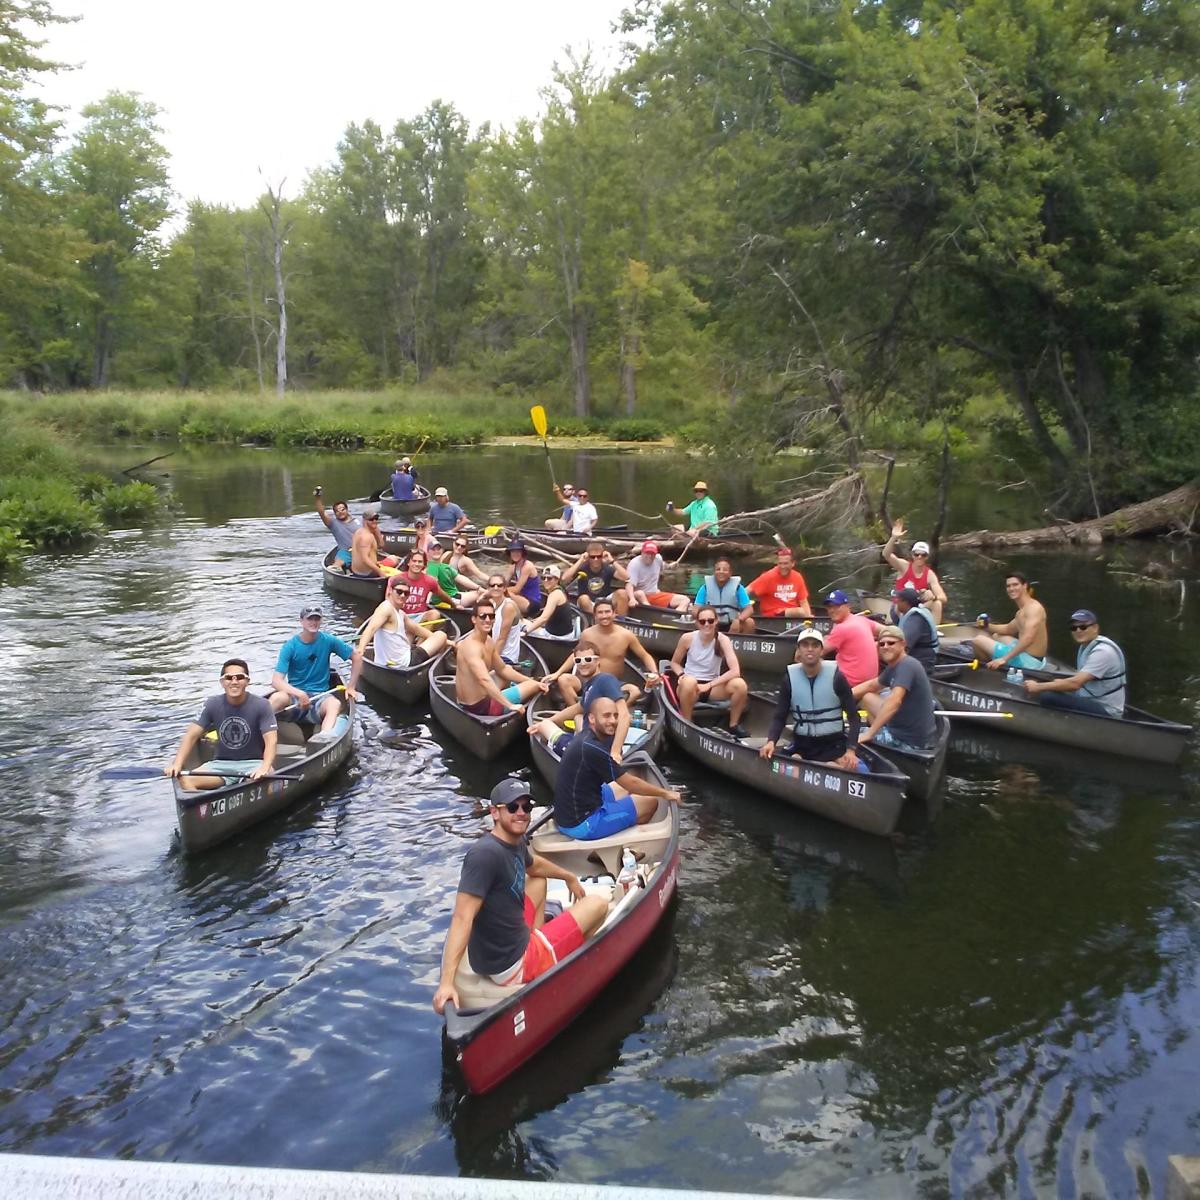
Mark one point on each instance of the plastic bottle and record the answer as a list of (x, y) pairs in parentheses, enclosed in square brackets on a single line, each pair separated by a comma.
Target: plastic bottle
[(628, 875), (637, 719), (670, 506), (1015, 675), (981, 621)]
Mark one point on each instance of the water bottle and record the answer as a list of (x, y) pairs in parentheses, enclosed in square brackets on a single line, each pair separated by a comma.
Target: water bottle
[(1015, 676), (981, 621), (670, 506), (637, 719), (628, 875)]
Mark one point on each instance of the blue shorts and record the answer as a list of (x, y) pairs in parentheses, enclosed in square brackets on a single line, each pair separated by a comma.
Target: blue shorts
[(611, 817), (235, 767), (343, 556), (512, 694), (885, 737), (1023, 661), (310, 713)]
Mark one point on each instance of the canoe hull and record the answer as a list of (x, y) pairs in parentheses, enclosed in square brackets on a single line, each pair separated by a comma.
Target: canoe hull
[(1136, 735), (390, 507), (926, 772), (623, 542), (398, 539), (359, 587), (489, 1046), (409, 685), (485, 737), (211, 817), (555, 650)]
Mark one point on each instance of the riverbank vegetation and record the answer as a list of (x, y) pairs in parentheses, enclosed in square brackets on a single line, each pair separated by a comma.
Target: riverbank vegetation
[(918, 223)]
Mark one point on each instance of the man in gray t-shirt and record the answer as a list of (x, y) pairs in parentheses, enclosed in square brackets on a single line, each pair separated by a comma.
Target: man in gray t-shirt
[(899, 700), (499, 912), (1098, 685), (246, 733)]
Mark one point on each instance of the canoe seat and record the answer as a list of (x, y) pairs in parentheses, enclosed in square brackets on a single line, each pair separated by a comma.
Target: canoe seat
[(548, 840), (287, 750), (710, 708)]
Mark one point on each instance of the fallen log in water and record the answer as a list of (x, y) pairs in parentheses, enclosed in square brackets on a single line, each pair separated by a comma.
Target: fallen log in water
[(1175, 511), (839, 503)]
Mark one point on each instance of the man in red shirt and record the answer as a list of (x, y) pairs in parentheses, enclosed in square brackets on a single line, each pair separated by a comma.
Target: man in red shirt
[(781, 591), (851, 640)]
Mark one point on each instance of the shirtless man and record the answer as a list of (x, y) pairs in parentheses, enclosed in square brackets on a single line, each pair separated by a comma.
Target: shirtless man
[(612, 642), (364, 549), (478, 665), (1023, 641)]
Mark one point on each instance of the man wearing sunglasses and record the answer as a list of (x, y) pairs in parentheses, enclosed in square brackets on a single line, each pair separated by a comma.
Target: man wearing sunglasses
[(364, 549), (1098, 685), (302, 672), (699, 516), (614, 643), (478, 666), (246, 733), (916, 573), (566, 496), (398, 640), (580, 681), (499, 919), (595, 577), (899, 700), (340, 523)]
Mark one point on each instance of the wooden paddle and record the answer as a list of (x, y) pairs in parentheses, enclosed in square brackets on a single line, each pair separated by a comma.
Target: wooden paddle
[(537, 414)]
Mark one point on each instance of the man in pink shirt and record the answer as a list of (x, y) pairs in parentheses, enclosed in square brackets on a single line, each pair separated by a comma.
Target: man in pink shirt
[(851, 641)]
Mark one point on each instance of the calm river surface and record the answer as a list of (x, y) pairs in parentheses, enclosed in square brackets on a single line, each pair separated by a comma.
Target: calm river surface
[(1006, 1002)]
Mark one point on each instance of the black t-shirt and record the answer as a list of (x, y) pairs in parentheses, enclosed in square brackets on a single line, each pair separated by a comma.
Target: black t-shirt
[(914, 722), (596, 584), (495, 871), (586, 766)]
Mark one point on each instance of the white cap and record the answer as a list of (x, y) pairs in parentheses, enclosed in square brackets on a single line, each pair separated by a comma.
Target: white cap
[(442, 492), (810, 633), (920, 548)]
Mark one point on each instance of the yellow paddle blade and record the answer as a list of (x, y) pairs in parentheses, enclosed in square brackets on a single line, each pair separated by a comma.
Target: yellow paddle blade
[(568, 724), (537, 414), (211, 736), (491, 530)]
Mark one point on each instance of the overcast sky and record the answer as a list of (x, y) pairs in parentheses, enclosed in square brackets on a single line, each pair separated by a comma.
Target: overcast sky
[(250, 84)]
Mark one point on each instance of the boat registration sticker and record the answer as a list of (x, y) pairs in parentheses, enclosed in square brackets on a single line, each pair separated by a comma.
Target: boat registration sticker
[(821, 779), (518, 1022), (856, 787)]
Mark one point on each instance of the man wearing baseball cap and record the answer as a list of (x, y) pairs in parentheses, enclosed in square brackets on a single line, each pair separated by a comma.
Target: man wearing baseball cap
[(446, 516), (916, 573), (700, 516), (781, 591), (302, 672), (1098, 685), (920, 632), (899, 699), (642, 587), (816, 699), (851, 640), (499, 920), (404, 479)]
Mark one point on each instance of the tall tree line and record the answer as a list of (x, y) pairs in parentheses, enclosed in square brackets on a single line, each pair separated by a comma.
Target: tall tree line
[(821, 213)]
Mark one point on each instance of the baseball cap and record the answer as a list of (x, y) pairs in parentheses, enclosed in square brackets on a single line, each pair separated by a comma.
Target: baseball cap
[(1084, 616), (920, 547), (310, 610), (909, 595), (782, 551), (442, 492), (810, 633), (508, 790), (699, 486), (891, 631), (516, 544), (369, 513), (837, 596), (649, 547), (552, 569)]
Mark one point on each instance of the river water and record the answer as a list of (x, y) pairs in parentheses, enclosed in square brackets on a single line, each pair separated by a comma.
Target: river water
[(1005, 1002)]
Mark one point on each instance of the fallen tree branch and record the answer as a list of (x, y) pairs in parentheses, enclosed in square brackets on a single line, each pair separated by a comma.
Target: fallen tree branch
[(147, 463)]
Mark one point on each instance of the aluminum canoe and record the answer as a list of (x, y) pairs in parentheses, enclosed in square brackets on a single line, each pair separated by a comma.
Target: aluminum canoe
[(500, 1029), (554, 648), (398, 538), (623, 541), (484, 737), (302, 763), (360, 587), (409, 685), (981, 694), (391, 507), (870, 801), (647, 740), (926, 771)]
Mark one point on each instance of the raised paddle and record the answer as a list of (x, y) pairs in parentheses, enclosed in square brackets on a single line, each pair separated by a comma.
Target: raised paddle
[(537, 414)]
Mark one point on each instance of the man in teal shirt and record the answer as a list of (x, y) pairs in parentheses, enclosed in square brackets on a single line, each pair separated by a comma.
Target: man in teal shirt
[(700, 516)]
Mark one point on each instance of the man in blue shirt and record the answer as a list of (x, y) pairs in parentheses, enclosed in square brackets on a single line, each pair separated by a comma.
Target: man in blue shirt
[(301, 678), (447, 517)]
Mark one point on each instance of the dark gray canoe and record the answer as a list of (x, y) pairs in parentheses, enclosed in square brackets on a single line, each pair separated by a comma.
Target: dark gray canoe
[(981, 694), (391, 507), (869, 801), (303, 761), (623, 541), (485, 737), (926, 771), (409, 685), (648, 739), (360, 587), (771, 648), (398, 538), (554, 648)]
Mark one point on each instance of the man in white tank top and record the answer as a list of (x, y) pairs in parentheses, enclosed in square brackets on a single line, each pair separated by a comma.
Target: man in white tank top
[(710, 670), (397, 639)]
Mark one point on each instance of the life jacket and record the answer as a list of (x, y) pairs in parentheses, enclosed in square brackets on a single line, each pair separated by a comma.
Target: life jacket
[(723, 599), (1117, 681), (928, 617), (816, 711)]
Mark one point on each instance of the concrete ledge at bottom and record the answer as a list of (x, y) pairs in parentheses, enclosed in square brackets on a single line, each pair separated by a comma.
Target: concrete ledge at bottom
[(1183, 1177), (37, 1177)]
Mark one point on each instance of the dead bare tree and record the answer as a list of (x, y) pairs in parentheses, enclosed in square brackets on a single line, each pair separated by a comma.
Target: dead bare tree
[(279, 230)]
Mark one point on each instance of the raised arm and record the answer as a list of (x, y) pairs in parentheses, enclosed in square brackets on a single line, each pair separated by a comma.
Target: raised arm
[(889, 548), (319, 503)]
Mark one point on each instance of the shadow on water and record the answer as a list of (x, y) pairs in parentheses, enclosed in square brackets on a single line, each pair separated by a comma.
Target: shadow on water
[(490, 1132)]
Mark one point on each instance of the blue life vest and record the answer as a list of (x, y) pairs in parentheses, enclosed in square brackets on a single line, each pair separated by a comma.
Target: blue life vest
[(1096, 689), (816, 710), (723, 599)]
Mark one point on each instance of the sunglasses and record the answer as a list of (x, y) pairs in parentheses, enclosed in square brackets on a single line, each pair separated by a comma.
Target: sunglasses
[(234, 678), (400, 591), (1077, 628), (484, 616), (706, 620), (920, 554), (460, 545), (595, 556), (587, 657), (525, 806), (888, 642), (495, 583)]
